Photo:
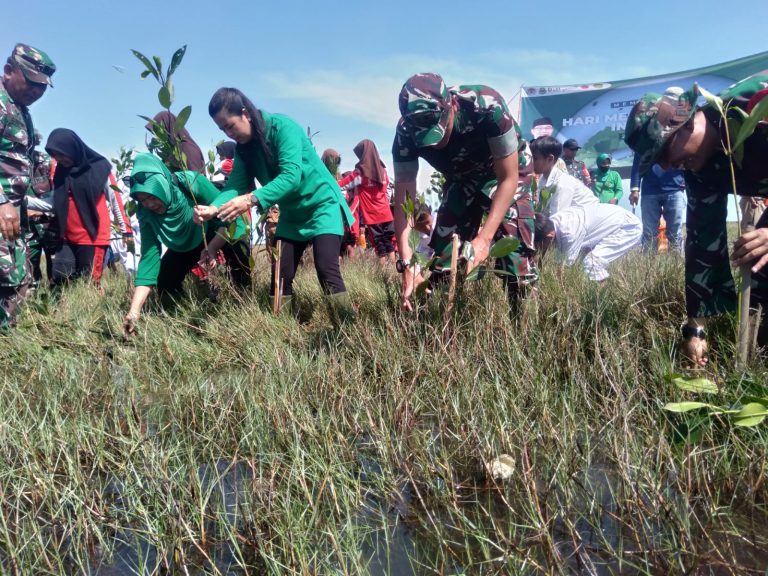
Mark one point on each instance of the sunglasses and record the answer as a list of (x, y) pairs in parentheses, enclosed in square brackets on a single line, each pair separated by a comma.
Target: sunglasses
[(140, 178), (426, 119)]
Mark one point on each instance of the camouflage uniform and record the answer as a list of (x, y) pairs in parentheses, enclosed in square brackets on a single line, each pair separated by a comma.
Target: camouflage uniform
[(42, 231), (709, 285), (16, 146), (483, 130), (578, 170)]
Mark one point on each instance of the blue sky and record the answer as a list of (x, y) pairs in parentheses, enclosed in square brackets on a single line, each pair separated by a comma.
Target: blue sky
[(337, 66)]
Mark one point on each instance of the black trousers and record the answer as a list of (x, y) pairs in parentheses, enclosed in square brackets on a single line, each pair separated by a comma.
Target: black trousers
[(174, 267), (73, 261), (325, 249)]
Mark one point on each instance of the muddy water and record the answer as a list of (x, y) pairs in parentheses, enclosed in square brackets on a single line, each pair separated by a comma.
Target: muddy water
[(593, 536)]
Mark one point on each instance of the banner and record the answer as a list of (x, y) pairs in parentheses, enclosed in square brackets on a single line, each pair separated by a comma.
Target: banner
[(595, 114)]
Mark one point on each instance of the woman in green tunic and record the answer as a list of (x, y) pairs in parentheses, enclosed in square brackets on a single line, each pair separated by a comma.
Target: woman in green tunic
[(276, 151), (166, 216), (606, 182)]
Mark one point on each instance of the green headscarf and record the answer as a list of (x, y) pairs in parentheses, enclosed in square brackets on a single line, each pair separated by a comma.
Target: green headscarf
[(175, 228), (600, 159)]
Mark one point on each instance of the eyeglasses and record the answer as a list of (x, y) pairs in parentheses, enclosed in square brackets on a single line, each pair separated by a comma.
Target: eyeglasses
[(140, 178), (426, 119)]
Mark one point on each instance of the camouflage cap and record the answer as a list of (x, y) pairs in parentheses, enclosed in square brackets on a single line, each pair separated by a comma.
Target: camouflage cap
[(654, 118), (34, 64), (425, 105)]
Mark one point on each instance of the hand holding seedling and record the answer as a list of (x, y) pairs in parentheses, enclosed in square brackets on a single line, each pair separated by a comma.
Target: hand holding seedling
[(204, 213), (751, 248), (129, 324), (207, 261), (695, 351), (235, 208), (480, 249)]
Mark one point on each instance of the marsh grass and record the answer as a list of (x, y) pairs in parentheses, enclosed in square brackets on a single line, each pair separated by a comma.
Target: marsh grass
[(223, 439)]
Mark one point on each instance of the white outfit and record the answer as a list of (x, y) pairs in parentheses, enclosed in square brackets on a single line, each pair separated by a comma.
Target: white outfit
[(129, 261), (565, 191), (605, 230)]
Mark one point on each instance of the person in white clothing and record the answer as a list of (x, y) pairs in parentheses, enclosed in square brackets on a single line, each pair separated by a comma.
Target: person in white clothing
[(558, 190), (602, 236), (574, 219)]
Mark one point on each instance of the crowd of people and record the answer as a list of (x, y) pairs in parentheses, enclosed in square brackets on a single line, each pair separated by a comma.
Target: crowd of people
[(64, 202)]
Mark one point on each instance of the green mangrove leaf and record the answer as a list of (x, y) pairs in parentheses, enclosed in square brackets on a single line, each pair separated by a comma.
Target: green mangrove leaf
[(740, 112), (692, 384), (686, 406), (145, 74), (144, 60), (164, 97), (477, 273), (158, 65), (211, 156), (413, 240), (751, 414), (419, 259), (182, 117), (758, 113), (504, 247), (176, 60), (711, 99), (734, 127)]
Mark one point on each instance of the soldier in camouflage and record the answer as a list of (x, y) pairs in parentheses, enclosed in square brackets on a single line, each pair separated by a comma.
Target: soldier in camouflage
[(674, 132), (26, 75), (573, 167), (467, 134), (42, 232)]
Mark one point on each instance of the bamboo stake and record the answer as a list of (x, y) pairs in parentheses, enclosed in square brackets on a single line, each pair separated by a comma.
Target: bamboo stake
[(454, 273), (278, 286), (745, 294)]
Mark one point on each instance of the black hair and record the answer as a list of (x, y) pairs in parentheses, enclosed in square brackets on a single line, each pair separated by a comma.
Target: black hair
[(234, 102), (543, 121), (226, 149), (545, 146)]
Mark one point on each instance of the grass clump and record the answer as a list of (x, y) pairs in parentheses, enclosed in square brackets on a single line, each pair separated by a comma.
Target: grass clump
[(224, 439)]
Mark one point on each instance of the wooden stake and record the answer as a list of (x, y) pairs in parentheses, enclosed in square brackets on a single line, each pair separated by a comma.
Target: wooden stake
[(454, 273), (278, 285), (746, 292)]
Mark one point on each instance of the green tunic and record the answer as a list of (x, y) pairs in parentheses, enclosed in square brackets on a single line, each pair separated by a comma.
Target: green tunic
[(607, 186), (310, 200), (175, 228)]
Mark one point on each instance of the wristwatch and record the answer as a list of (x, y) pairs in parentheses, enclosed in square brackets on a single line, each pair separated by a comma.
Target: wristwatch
[(689, 331), (401, 265), (254, 201), (3, 199)]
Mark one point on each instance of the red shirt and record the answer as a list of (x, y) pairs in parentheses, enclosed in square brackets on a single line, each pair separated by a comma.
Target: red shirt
[(374, 203), (76, 233)]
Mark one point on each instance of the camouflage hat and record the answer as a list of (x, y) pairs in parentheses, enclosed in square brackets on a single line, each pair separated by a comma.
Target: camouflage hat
[(34, 64), (654, 118), (425, 104)]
